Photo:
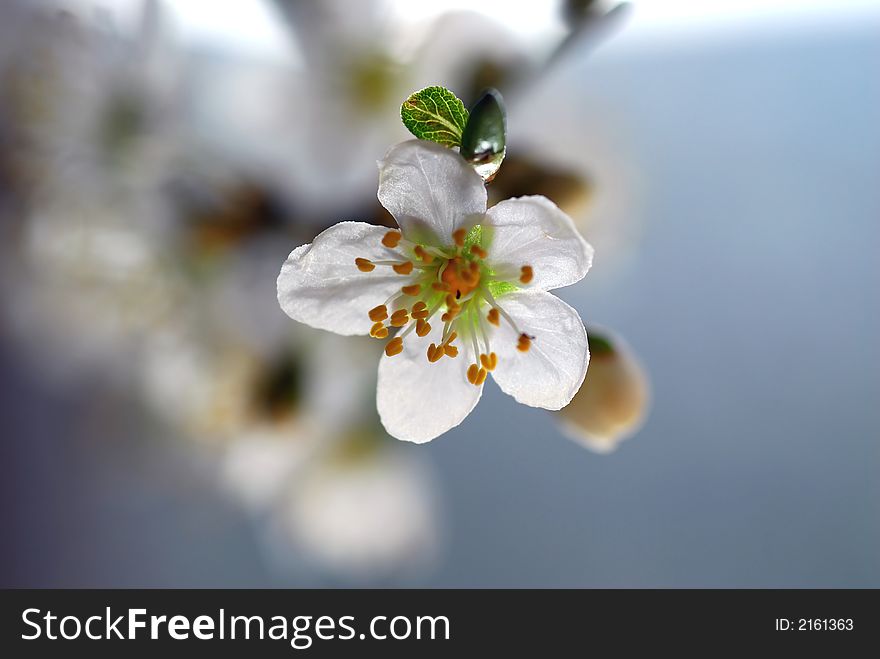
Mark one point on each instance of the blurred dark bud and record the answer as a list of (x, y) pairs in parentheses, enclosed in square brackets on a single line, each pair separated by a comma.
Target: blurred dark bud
[(218, 220), (489, 72), (613, 401), (279, 389), (221, 392), (524, 175), (575, 11), (484, 140)]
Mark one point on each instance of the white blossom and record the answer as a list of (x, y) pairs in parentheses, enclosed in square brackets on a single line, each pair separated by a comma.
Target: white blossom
[(463, 289), (368, 518)]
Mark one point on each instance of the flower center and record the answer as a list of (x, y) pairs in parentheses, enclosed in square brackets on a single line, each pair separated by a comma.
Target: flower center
[(461, 276), (450, 281)]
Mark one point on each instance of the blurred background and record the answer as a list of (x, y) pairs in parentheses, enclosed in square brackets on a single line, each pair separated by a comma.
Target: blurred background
[(165, 424)]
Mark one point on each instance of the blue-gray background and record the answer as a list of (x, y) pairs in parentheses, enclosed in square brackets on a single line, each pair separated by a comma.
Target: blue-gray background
[(751, 298)]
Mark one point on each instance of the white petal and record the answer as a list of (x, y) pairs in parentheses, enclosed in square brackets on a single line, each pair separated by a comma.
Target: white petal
[(551, 372), (419, 401), (430, 190), (320, 284), (534, 231)]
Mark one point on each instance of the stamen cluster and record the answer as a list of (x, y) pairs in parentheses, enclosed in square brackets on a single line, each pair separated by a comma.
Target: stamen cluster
[(449, 281)]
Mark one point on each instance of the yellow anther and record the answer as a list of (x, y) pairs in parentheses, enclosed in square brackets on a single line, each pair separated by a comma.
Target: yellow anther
[(458, 236), (451, 337), (399, 318), (423, 254), (378, 313), (525, 342), (379, 331), (403, 268), (453, 309), (364, 265), (394, 346), (423, 327), (450, 351), (476, 375), (391, 239), (450, 315), (420, 310), (493, 316), (376, 327), (415, 289), (526, 274), (479, 252), (434, 353), (489, 361)]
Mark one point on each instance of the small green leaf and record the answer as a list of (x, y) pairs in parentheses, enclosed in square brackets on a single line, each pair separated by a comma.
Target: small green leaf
[(435, 114), (499, 288), (484, 140)]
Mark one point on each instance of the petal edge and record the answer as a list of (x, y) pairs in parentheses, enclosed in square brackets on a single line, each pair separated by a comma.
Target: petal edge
[(534, 231), (418, 401), (552, 371), (319, 284)]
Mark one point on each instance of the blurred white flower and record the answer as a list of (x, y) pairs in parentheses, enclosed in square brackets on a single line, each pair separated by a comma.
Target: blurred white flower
[(253, 412), (303, 403), (216, 389), (197, 385), (87, 286), (90, 273), (613, 401), (371, 514), (286, 431), (112, 122), (440, 263), (259, 465), (329, 112)]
